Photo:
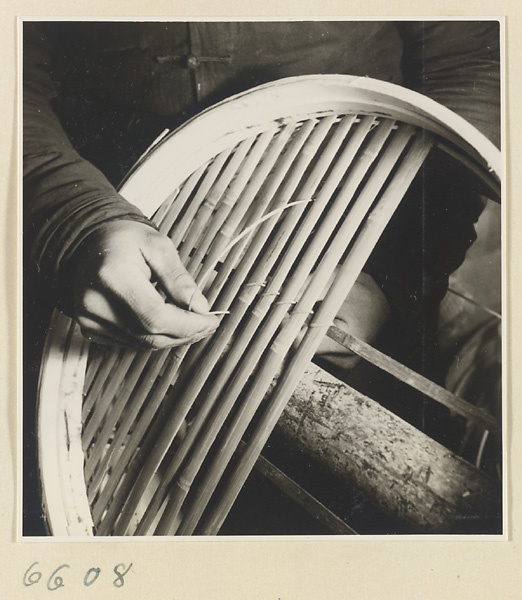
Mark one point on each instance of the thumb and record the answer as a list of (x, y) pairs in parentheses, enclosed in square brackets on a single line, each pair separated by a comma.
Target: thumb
[(163, 260)]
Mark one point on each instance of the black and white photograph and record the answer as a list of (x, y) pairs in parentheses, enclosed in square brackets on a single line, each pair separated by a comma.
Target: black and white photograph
[(263, 278)]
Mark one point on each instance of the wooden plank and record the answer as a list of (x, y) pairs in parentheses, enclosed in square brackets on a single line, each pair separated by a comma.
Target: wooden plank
[(420, 383)]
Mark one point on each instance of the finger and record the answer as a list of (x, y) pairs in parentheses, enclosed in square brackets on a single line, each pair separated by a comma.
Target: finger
[(163, 260), (152, 315), (164, 341), (107, 334)]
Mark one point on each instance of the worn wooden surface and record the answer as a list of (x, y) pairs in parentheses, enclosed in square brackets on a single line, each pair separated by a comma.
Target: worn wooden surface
[(408, 475)]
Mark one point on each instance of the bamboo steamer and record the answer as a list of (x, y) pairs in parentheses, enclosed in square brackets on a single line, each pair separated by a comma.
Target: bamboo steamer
[(311, 169)]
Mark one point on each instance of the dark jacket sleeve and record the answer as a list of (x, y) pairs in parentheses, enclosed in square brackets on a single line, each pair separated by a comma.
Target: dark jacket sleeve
[(65, 197), (457, 64)]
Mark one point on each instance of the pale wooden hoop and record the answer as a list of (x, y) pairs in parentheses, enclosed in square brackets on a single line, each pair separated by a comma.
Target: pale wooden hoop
[(242, 126)]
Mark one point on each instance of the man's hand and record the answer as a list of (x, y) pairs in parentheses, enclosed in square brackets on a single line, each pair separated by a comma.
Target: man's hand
[(115, 300)]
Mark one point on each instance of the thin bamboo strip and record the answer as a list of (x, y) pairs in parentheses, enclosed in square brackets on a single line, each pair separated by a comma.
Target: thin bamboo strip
[(188, 187), (140, 428), (413, 379), (106, 400), (244, 234), (305, 154), (490, 311), (232, 199), (183, 224), (234, 319), (271, 183), (247, 296), (256, 180), (306, 263), (99, 458), (364, 244), (199, 201), (217, 191), (165, 209), (258, 177), (93, 364), (107, 367), (290, 186), (132, 409)]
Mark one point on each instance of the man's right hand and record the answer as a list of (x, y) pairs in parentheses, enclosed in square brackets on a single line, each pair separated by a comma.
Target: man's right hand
[(116, 301)]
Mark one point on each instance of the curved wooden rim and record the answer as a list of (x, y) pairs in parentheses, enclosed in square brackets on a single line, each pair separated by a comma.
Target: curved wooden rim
[(59, 423), (258, 109)]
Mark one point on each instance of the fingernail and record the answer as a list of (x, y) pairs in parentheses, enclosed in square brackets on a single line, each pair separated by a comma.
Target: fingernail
[(199, 303)]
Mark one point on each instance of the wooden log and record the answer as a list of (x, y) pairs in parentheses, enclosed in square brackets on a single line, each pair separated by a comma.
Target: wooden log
[(404, 472)]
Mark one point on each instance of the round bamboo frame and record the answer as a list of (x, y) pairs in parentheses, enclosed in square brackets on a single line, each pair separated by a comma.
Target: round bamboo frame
[(331, 156)]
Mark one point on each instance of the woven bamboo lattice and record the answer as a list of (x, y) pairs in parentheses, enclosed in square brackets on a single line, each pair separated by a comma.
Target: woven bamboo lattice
[(309, 170)]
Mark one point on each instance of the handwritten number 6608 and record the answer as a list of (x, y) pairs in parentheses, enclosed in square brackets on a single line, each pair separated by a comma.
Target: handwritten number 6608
[(55, 581)]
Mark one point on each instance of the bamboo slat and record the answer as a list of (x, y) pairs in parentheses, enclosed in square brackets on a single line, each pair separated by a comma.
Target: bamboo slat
[(349, 271), (230, 325), (268, 298), (302, 309), (410, 377), (183, 406), (232, 195), (166, 224)]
